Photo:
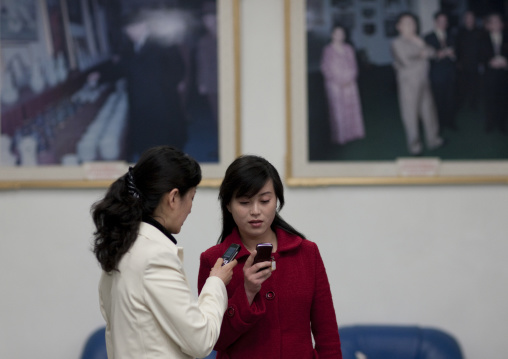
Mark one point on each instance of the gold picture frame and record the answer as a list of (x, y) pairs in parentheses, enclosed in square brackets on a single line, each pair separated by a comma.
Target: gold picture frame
[(100, 174), (403, 170)]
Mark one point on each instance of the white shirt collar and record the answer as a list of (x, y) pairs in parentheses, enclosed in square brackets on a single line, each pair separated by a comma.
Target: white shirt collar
[(441, 35)]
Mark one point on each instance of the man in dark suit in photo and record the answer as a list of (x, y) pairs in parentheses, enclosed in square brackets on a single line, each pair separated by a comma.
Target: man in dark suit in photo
[(442, 71), (494, 56), (154, 73), (468, 62)]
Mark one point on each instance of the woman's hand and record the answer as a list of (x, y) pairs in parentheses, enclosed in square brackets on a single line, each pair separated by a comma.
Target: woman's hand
[(252, 278), (224, 272)]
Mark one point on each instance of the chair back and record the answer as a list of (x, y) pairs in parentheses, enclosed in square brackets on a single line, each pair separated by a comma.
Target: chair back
[(397, 342), (95, 346)]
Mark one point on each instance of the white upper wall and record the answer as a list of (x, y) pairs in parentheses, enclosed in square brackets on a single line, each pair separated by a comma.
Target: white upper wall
[(422, 255)]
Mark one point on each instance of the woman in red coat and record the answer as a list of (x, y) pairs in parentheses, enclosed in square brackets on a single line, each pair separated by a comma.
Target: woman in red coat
[(276, 312)]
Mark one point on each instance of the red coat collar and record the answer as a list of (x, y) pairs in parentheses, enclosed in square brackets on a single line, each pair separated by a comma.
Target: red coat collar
[(285, 242)]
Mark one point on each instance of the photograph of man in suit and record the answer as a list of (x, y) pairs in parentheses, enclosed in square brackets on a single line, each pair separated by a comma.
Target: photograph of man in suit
[(494, 55), (154, 74), (442, 71), (468, 62)]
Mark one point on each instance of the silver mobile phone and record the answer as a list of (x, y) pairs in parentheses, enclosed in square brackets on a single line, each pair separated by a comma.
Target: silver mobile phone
[(230, 253)]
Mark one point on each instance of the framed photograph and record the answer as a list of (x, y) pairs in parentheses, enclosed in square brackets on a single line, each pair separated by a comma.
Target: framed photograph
[(17, 20), (106, 80), (345, 99)]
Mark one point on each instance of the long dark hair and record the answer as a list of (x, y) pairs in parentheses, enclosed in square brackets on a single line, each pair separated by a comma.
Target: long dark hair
[(245, 176), (135, 195)]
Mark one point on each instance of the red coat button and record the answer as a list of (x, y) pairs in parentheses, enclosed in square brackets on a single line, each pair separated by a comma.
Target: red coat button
[(270, 295), (230, 311)]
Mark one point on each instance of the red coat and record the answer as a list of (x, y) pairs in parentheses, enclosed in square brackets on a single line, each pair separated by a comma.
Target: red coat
[(292, 305)]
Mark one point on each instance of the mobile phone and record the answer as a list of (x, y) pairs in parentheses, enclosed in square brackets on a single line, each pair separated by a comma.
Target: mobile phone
[(231, 253), (264, 253)]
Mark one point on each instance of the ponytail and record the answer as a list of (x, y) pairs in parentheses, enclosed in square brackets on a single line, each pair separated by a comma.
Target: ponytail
[(116, 219)]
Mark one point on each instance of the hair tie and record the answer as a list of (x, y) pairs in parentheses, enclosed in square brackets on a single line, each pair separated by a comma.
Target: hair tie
[(131, 186)]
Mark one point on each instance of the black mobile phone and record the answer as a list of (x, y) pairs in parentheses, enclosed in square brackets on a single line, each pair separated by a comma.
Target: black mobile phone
[(264, 253), (230, 253)]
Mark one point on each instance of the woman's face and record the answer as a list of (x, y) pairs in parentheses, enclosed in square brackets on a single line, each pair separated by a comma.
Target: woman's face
[(184, 207), (254, 216), (406, 26), (338, 35)]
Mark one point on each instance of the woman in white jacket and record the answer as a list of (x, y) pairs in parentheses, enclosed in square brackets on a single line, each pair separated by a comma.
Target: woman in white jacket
[(145, 298)]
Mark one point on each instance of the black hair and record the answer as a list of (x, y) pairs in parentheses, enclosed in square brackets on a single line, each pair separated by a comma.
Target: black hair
[(338, 25), (208, 8), (245, 176), (439, 13), (411, 15), (136, 195), (490, 15), (132, 18)]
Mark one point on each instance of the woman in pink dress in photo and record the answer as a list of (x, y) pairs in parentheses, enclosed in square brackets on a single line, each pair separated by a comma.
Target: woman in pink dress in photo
[(339, 68)]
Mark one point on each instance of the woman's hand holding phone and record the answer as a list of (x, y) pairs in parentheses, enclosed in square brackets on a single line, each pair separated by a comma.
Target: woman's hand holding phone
[(254, 275), (224, 272)]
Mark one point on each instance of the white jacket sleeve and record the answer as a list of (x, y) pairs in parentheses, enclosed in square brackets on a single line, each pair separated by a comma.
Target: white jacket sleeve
[(192, 324)]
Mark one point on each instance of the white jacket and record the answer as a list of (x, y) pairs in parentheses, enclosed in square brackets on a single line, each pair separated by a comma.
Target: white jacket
[(149, 309)]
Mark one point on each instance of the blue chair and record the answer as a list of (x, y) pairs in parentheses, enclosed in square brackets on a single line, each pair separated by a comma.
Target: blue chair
[(212, 355), (95, 346), (397, 342)]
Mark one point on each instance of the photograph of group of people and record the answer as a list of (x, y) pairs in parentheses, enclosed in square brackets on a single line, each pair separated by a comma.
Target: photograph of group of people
[(390, 79), (91, 80)]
